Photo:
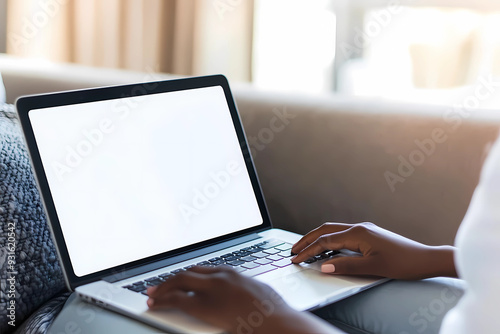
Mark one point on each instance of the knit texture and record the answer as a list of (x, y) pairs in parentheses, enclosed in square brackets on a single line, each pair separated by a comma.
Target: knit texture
[(41, 320), (24, 236)]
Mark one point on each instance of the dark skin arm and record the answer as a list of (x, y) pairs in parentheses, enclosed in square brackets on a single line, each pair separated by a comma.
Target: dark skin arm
[(235, 303), (226, 299), (384, 253)]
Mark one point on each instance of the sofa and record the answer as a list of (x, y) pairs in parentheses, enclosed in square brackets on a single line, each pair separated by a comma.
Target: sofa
[(410, 168)]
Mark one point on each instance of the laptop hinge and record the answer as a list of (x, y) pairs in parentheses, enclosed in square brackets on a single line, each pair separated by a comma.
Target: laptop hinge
[(179, 258)]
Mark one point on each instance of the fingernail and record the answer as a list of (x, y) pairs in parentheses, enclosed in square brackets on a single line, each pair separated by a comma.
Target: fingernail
[(328, 268), (151, 302), (293, 258)]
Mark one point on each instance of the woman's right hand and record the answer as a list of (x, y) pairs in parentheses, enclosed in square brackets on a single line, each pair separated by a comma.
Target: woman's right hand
[(238, 304), (383, 253)]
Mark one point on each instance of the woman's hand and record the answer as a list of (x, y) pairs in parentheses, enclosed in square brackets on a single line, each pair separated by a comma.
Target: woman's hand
[(222, 297), (383, 253)]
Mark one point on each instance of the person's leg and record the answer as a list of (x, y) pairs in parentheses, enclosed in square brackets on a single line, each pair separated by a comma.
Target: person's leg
[(396, 307), (78, 316)]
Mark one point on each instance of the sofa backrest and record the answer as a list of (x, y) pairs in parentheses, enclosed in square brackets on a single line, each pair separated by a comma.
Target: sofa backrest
[(407, 167), (403, 167)]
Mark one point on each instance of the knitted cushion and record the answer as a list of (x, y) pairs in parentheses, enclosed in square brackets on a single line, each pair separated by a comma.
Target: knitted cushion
[(30, 273), (41, 319)]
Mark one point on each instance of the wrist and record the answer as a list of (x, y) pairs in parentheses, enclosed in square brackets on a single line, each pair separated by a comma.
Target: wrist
[(277, 321), (440, 261), (290, 321)]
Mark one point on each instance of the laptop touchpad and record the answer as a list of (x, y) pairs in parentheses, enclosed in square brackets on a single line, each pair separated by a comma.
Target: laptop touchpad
[(306, 289)]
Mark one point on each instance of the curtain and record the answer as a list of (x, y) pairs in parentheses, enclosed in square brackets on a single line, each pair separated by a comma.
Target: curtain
[(464, 45), (187, 37)]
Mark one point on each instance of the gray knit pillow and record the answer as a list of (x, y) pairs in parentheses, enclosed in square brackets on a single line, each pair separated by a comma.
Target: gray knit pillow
[(35, 275)]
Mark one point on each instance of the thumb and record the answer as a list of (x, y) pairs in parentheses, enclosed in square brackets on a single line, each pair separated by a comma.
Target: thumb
[(348, 265)]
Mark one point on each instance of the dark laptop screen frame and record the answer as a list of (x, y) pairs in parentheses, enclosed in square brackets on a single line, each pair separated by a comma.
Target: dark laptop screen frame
[(27, 103)]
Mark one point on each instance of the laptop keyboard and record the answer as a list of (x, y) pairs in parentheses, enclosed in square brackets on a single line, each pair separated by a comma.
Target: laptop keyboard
[(250, 261)]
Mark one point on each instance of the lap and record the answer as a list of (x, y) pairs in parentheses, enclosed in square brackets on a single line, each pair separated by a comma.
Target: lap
[(396, 307), (80, 317)]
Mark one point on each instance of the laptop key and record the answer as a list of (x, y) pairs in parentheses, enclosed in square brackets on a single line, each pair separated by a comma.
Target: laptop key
[(285, 254), (155, 282), (215, 259), (235, 263), (271, 251), (284, 247), (226, 255), (282, 263), (310, 260), (241, 253), (138, 288), (231, 258), (248, 258), (204, 263), (263, 261), (250, 265), (259, 270), (274, 257), (260, 255), (218, 263), (165, 275), (176, 271)]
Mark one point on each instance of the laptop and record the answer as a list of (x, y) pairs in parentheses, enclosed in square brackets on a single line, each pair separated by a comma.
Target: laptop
[(143, 181)]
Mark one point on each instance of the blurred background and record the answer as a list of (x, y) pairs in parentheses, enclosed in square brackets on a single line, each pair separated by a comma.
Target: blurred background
[(428, 51)]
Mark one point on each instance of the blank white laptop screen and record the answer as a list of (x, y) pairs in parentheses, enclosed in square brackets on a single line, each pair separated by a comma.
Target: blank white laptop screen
[(135, 177)]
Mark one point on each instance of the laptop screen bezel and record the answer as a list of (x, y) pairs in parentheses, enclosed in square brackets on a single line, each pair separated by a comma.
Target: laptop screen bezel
[(27, 103)]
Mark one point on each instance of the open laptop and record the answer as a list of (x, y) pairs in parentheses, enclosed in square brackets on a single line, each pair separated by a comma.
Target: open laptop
[(143, 181)]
